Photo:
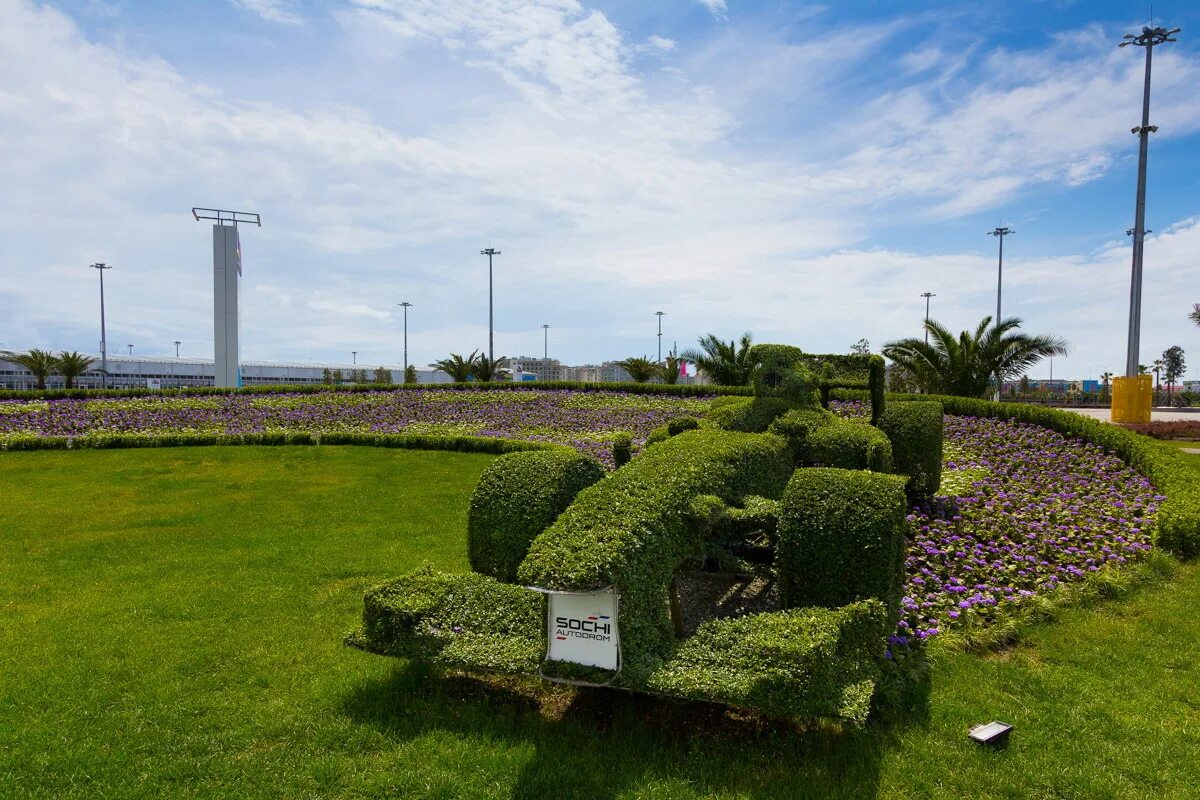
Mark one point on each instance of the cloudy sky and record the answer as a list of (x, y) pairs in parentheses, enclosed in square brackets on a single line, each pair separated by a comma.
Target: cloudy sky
[(800, 171)]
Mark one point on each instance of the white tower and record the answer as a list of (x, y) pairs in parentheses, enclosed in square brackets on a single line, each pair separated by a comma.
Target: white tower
[(227, 274)]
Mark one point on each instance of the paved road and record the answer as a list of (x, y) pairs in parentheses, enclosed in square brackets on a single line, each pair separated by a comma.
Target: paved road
[(1157, 415)]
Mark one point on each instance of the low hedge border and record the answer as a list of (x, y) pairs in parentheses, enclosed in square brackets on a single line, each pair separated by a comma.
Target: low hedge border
[(1175, 474), (113, 441), (678, 390)]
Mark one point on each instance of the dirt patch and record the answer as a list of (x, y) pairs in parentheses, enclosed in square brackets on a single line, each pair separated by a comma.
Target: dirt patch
[(709, 595)]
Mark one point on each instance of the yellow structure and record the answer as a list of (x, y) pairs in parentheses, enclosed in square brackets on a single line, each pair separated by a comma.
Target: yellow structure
[(1132, 398)]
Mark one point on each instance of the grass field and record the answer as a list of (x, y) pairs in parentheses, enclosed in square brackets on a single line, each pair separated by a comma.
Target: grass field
[(172, 621)]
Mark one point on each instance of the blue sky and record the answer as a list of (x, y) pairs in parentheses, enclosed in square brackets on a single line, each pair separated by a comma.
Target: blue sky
[(797, 170)]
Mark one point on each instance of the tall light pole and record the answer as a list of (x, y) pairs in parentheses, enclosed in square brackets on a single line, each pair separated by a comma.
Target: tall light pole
[(406, 306), (103, 337), (545, 342), (927, 295), (354, 357), (659, 314), (177, 348), (491, 251), (999, 233), (1148, 38), (130, 348)]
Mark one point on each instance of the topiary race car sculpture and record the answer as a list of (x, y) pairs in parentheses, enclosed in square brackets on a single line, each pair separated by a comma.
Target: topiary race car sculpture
[(754, 557)]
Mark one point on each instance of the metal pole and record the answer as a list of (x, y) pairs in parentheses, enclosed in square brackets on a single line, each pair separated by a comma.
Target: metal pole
[(103, 335), (177, 349), (405, 305), (545, 342), (999, 233), (354, 357), (927, 295), (491, 333), (659, 314), (1148, 39)]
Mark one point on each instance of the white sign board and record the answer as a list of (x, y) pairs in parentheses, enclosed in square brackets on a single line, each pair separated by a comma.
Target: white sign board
[(153, 383), (582, 628)]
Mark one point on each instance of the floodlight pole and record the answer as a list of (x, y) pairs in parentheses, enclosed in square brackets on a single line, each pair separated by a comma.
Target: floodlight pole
[(545, 342), (489, 252), (354, 357), (659, 314), (927, 295), (406, 306), (999, 233), (130, 348), (177, 348), (103, 337), (1148, 38)]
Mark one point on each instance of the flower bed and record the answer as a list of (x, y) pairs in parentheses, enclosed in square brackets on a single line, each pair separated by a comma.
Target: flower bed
[(588, 421), (1022, 510)]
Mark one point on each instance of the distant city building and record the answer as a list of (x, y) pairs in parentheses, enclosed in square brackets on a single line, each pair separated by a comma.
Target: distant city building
[(542, 369), (140, 372)]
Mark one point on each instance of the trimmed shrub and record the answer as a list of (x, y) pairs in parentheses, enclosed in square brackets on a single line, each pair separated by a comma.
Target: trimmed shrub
[(749, 415), (797, 424), (782, 373), (850, 445), (916, 432), (456, 620), (518, 496), (807, 663), (678, 425), (622, 449), (842, 539), (633, 529), (756, 514), (659, 434)]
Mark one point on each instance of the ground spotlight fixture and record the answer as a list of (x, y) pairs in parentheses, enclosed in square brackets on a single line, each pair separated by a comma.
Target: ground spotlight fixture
[(992, 733), (1148, 38)]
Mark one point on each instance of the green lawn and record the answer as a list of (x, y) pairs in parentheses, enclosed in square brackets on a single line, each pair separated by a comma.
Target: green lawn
[(172, 622)]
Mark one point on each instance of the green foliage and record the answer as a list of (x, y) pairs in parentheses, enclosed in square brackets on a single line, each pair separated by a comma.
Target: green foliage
[(1174, 365), (622, 449), (518, 496), (458, 368), (1194, 316), (968, 366), (456, 620), (668, 371), (485, 370), (756, 514), (916, 433), (632, 530), (680, 424), (640, 368), (1175, 474), (71, 366), (850, 445), (806, 663), (41, 363), (781, 372), (842, 538), (382, 376), (748, 415), (725, 364), (410, 375), (797, 424)]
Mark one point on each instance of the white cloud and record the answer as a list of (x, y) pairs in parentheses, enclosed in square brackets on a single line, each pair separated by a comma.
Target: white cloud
[(717, 8), (272, 10)]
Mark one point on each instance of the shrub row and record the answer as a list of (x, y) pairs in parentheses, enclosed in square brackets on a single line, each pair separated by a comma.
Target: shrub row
[(808, 663), (100, 441), (841, 538), (678, 390), (748, 415), (518, 496), (849, 445), (632, 530), (1175, 474)]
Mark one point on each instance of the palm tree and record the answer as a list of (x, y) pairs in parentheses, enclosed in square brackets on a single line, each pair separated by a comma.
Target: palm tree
[(1105, 380), (458, 368), (1195, 315), (725, 364), (967, 365), (487, 370), (668, 371), (41, 363), (640, 369), (1157, 370), (72, 365)]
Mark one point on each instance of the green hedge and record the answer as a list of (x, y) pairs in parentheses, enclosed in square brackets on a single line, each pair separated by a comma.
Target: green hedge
[(850, 445), (518, 496), (782, 373), (622, 449), (806, 663), (916, 432), (677, 389), (632, 530), (1175, 474), (842, 538), (797, 424), (456, 620), (102, 441), (749, 415)]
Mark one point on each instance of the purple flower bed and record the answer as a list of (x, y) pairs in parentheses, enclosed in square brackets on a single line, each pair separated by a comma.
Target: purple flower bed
[(584, 420), (1028, 510)]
